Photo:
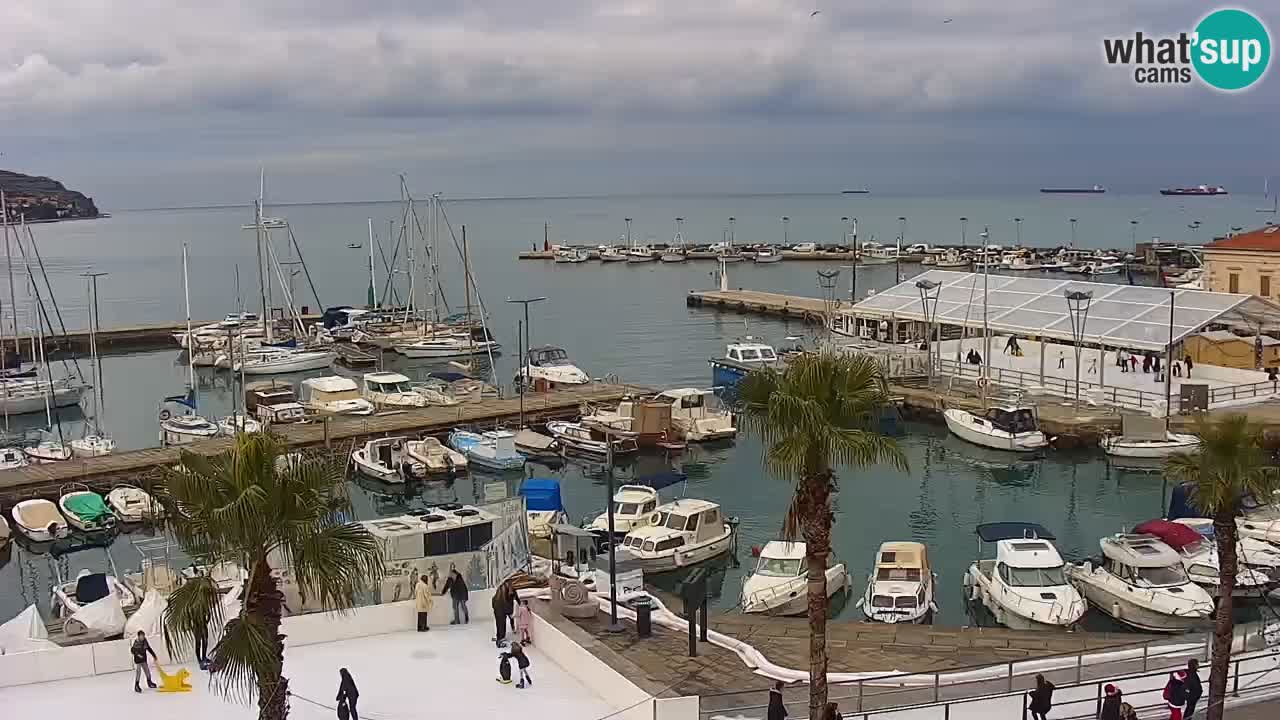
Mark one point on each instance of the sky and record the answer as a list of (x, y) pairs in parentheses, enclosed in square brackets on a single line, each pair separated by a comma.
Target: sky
[(154, 103)]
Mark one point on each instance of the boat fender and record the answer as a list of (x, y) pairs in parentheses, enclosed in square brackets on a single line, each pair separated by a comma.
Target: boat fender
[(165, 415), (982, 382), (1115, 610), (653, 519)]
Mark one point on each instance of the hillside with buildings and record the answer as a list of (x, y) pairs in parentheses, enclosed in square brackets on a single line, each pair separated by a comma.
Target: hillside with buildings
[(41, 198)]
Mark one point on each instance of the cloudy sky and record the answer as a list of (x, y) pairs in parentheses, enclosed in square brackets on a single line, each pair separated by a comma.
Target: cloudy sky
[(147, 103)]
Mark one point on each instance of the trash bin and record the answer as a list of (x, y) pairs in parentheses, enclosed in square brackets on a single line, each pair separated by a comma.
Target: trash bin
[(644, 616)]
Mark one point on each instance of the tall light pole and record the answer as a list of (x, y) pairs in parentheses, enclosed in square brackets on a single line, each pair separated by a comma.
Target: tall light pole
[(786, 241), (614, 625), (929, 291), (897, 256), (853, 269), (1133, 233), (1073, 233), (732, 220), (1078, 305), (524, 371), (628, 222), (1017, 224), (964, 230)]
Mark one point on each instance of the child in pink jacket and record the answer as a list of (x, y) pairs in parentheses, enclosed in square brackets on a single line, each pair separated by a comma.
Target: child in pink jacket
[(524, 623)]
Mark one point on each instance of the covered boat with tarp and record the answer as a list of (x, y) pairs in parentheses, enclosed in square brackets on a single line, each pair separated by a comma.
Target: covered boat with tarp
[(1199, 557), (85, 510), (25, 632), (543, 510)]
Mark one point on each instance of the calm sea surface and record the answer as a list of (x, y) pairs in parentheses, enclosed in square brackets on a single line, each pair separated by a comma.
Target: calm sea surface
[(629, 321)]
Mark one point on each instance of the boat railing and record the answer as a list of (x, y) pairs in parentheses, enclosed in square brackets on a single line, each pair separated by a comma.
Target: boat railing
[(1247, 391), (785, 591), (940, 694)]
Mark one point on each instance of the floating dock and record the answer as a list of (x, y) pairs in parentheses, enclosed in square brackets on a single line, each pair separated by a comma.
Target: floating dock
[(763, 303), (112, 341), (101, 472)]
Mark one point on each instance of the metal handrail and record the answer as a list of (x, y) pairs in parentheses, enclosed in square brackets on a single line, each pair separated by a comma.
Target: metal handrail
[(1022, 378)]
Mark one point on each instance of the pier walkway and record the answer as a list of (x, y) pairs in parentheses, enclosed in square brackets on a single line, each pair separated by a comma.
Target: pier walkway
[(489, 412), (763, 303)]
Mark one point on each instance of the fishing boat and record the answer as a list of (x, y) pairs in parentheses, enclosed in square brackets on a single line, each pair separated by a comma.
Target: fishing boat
[(740, 358), (951, 259), (612, 255), (901, 587), (698, 416), (1141, 582), (577, 438), (873, 253), (494, 450), (436, 456), (633, 508), (537, 446), (334, 395), (391, 389), (186, 429), (550, 365), (1024, 586), (39, 520), (277, 361), (683, 533), (387, 459), (674, 255), (641, 254), (84, 509), (134, 505), (1143, 437), (1200, 559), (1009, 427), (766, 256), (780, 584), (477, 342)]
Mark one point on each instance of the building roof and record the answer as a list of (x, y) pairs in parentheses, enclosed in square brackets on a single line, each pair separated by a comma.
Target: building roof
[(1128, 316), (1219, 336), (1264, 239)]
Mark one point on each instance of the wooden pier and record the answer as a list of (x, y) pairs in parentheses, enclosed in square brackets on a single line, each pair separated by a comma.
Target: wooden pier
[(765, 303), (111, 341), (101, 472)]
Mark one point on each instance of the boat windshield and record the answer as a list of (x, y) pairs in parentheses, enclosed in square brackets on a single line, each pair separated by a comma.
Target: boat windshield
[(898, 574), (906, 601), (882, 601), (626, 508), (391, 387), (680, 522), (550, 356), (779, 567), (1160, 576), (1033, 577)]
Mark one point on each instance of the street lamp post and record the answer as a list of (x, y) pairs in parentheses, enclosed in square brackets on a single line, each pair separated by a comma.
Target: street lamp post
[(853, 270), (1017, 225), (524, 371), (929, 291), (732, 220), (785, 237), (614, 625), (628, 222), (1073, 233), (964, 231), (897, 256), (1078, 305), (1133, 233)]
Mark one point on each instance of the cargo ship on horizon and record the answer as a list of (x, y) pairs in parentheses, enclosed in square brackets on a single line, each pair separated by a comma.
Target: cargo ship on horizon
[(1198, 190), (1095, 190)]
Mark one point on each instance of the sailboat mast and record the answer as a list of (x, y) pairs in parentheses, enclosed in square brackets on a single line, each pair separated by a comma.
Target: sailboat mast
[(466, 281), (373, 285), (986, 326), (262, 288), (186, 297), (1168, 365), (8, 258)]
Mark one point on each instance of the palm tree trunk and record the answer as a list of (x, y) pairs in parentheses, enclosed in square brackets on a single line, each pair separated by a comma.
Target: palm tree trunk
[(265, 602), (815, 526), (1224, 528)]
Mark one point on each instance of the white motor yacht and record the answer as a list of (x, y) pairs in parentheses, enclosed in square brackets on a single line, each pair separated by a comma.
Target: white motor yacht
[(1141, 582), (387, 459), (39, 520), (551, 366), (578, 438), (633, 508), (684, 533), (276, 361), (391, 389), (698, 416), (438, 458), (780, 584), (334, 395), (1200, 559), (186, 429), (1009, 427), (92, 446), (1250, 552), (133, 504), (901, 587), (1025, 586)]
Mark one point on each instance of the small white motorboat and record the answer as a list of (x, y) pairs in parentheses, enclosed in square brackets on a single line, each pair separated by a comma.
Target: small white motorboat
[(633, 508), (698, 415), (133, 504), (901, 587), (537, 446), (238, 423), (90, 587), (1141, 582), (12, 458), (551, 365), (1200, 558), (186, 429), (39, 520), (1160, 446), (684, 533), (1250, 552), (767, 255), (1010, 427), (780, 584), (387, 459), (334, 395), (47, 451), (92, 446), (84, 509), (1025, 586), (438, 458), (578, 438), (494, 450)]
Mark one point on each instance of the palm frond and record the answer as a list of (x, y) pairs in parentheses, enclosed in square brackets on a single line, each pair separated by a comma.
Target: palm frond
[(337, 563), (189, 611), (245, 653)]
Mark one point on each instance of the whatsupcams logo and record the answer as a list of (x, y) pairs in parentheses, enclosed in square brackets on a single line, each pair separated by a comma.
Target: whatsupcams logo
[(1228, 50)]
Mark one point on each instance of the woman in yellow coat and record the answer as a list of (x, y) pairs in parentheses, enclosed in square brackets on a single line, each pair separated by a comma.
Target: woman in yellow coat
[(424, 599)]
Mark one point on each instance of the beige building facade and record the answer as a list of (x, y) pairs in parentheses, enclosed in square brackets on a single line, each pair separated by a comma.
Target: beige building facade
[(1248, 264)]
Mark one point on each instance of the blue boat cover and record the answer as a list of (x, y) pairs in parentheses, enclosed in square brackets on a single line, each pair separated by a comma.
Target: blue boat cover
[(1180, 503), (997, 531), (541, 494)]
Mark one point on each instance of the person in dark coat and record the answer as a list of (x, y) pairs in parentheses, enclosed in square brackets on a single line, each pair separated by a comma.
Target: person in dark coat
[(348, 693), (1194, 689), (522, 661), (1146, 364), (833, 712), (140, 648), (1111, 702), (1041, 699), (1188, 363), (1175, 694), (500, 598), (456, 588), (777, 710)]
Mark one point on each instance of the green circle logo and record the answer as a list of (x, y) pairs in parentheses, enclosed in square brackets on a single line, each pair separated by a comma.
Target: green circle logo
[(1231, 49)]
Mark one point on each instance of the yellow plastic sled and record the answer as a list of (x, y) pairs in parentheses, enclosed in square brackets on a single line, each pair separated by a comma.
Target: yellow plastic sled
[(176, 682)]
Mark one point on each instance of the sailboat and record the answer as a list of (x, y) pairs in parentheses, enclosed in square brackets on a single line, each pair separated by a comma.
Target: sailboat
[(48, 449), (676, 252), (188, 426), (95, 443)]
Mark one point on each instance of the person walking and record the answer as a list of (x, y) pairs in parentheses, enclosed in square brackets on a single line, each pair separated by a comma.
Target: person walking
[(1041, 699), (140, 648), (424, 599), (456, 588), (1187, 362), (1146, 364), (1062, 359), (348, 694), (500, 612), (524, 623), (1193, 686), (777, 710), (1123, 361), (1133, 363), (1111, 703), (1175, 694)]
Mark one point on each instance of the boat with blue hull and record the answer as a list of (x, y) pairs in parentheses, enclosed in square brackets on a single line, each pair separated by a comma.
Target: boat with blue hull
[(739, 359)]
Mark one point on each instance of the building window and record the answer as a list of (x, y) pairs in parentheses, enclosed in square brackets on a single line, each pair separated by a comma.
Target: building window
[(1264, 286), (1233, 283)]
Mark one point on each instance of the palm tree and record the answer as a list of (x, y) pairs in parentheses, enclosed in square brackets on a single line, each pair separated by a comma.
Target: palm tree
[(1230, 464), (257, 507), (818, 414)]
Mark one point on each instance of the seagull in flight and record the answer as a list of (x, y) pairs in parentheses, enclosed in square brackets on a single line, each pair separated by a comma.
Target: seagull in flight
[(944, 22), (815, 12)]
